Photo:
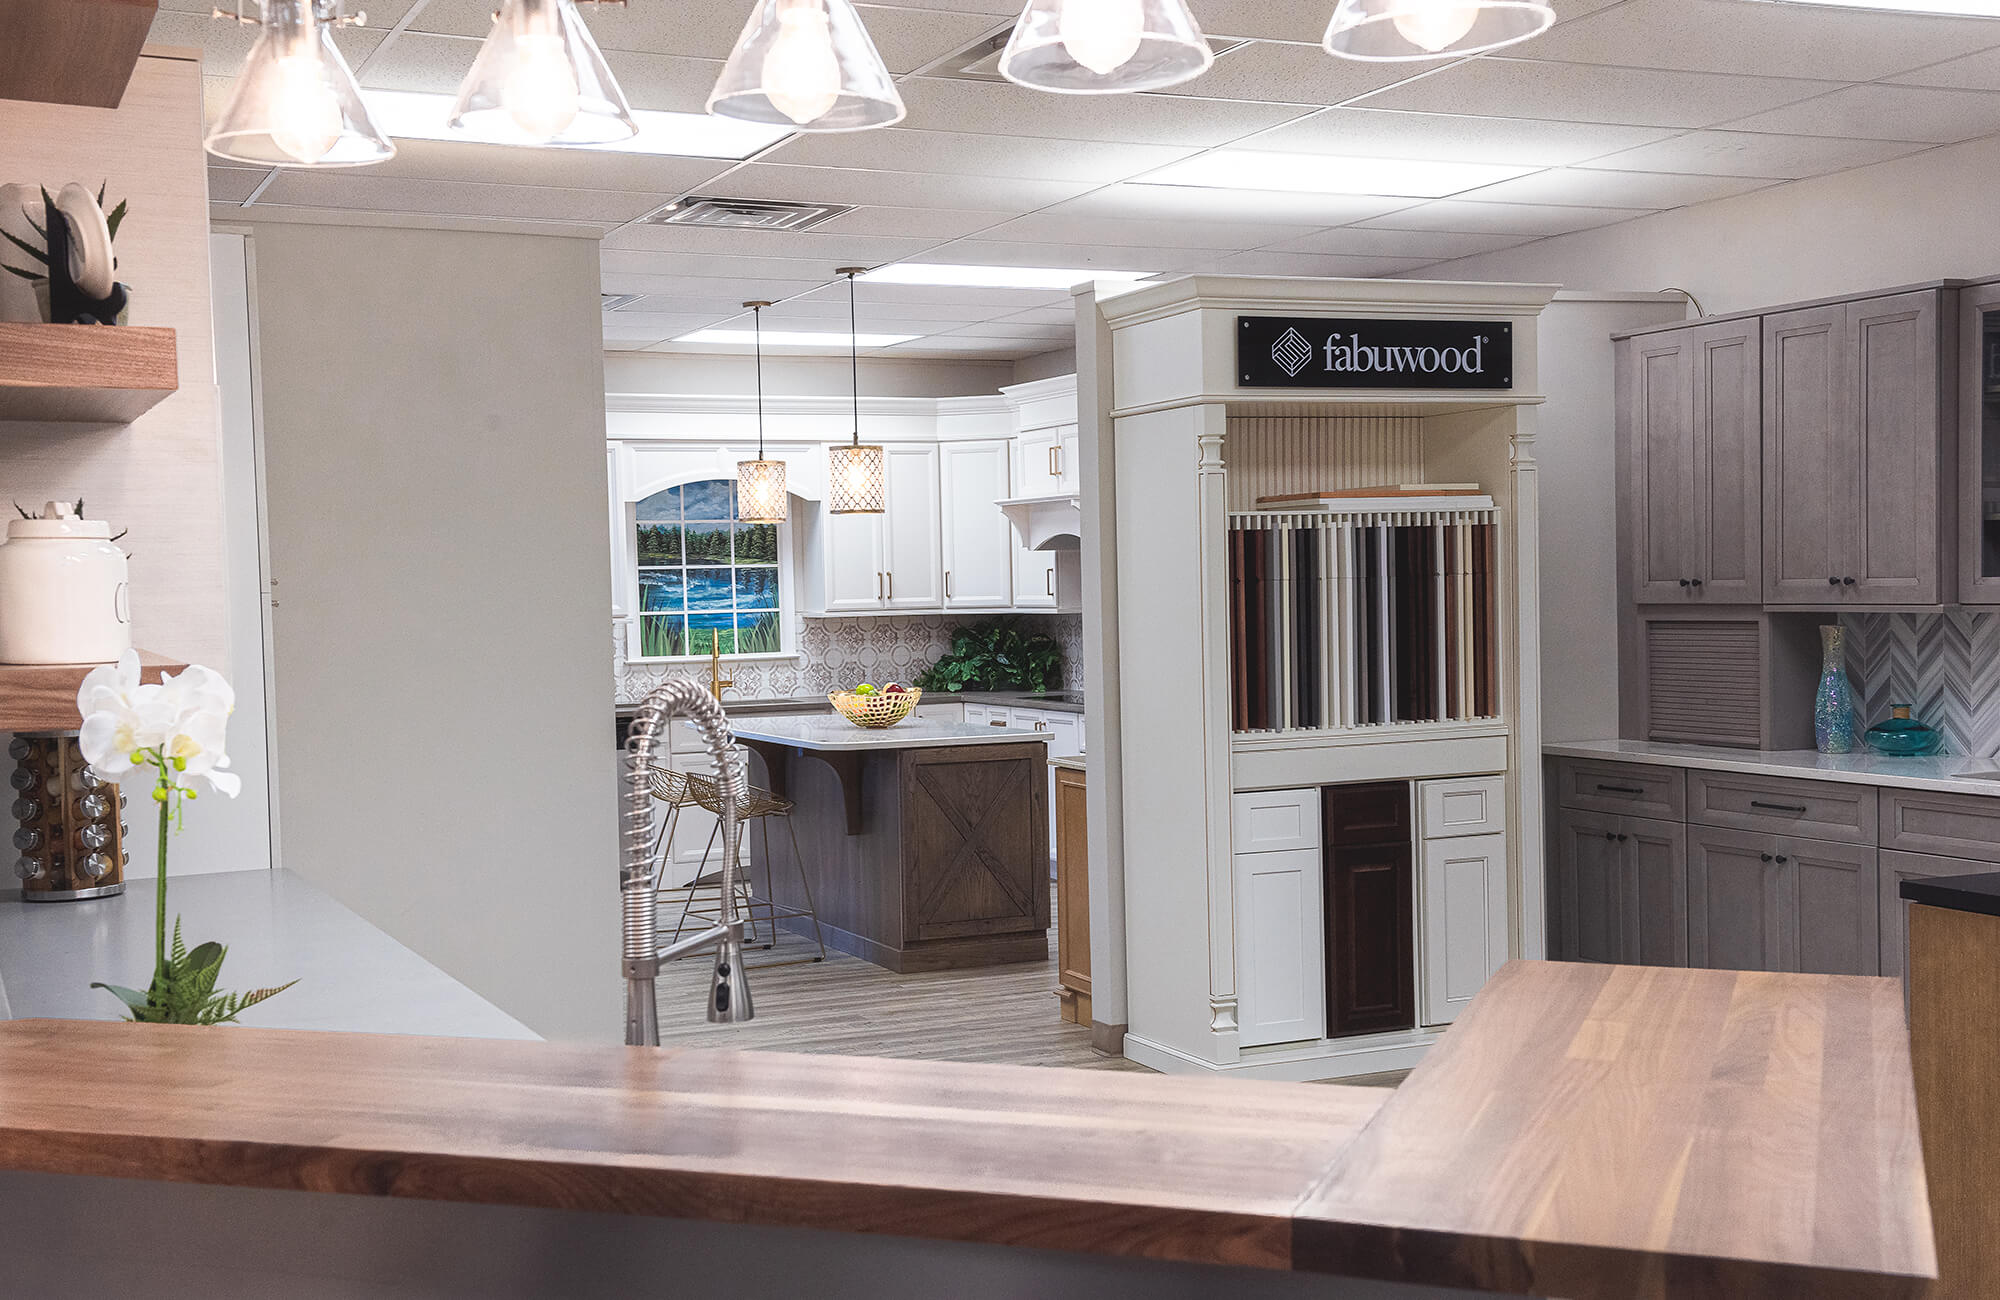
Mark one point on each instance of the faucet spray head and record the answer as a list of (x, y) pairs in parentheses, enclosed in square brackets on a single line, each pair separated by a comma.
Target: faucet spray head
[(729, 991)]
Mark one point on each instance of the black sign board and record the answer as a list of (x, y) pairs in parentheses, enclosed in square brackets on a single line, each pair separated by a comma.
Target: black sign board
[(1331, 352)]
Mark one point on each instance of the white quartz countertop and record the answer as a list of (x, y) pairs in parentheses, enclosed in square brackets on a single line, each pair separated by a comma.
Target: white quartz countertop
[(1950, 772), (351, 976), (830, 731)]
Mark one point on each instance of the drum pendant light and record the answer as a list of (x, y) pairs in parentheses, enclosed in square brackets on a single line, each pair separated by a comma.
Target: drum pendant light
[(1104, 47), (760, 483), (295, 103), (809, 65), (856, 474), (1388, 31), (540, 79)]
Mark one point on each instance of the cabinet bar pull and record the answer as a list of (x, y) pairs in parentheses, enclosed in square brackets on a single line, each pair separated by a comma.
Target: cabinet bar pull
[(878, 584), (1619, 789), (947, 584), (891, 576), (1779, 807), (1052, 582), (1053, 471)]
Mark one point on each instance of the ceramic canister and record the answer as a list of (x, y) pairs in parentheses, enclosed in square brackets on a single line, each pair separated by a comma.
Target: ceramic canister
[(63, 591)]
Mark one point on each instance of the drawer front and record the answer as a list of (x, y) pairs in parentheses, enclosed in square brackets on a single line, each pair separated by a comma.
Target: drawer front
[(1463, 806), (1267, 821), (1949, 825), (1628, 789), (1820, 810)]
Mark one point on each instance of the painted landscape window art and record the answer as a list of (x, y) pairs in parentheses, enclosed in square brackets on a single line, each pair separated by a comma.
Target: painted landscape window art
[(707, 580)]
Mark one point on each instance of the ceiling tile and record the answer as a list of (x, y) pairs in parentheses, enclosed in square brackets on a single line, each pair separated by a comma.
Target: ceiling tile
[(1973, 72), (900, 189), (434, 64), (1530, 220), (370, 193), (1002, 108), (1063, 312), (1262, 262), (1059, 227), (234, 184), (663, 81), (1745, 153), (651, 326), (1196, 203), (1098, 257), (1431, 245), (1578, 188), (1015, 330), (798, 246), (1289, 74), (927, 223), (964, 154), (582, 169), (1752, 39), (1884, 112), (1289, 20), (711, 266), (1379, 133), (832, 306), (1570, 92)]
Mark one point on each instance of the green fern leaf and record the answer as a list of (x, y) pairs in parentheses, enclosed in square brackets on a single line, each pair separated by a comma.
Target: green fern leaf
[(29, 276), (178, 952)]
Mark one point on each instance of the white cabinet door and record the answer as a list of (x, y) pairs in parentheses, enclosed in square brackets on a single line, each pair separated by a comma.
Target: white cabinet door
[(852, 550), (978, 540), (1067, 477), (1035, 471), (1280, 947), (1034, 575), (1462, 896), (1265, 821), (911, 541), (1065, 733)]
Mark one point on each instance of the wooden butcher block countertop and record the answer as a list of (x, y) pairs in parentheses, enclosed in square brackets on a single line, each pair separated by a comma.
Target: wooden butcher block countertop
[(1582, 1131)]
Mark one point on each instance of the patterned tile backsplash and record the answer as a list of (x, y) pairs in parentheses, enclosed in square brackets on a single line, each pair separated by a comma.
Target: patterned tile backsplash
[(1946, 667), (842, 651)]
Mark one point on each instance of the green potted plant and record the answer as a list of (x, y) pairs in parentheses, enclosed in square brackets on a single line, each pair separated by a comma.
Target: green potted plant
[(1001, 654)]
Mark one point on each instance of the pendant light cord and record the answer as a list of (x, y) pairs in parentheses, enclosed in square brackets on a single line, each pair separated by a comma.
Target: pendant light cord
[(757, 325), (854, 358)]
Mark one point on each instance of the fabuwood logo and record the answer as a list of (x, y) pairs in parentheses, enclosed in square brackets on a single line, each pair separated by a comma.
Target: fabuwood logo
[(1291, 352), (1355, 357)]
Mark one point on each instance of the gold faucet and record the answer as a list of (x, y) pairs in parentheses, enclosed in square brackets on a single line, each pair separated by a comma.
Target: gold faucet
[(716, 681)]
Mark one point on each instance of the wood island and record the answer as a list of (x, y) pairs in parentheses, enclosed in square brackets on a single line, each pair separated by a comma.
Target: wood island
[(926, 844)]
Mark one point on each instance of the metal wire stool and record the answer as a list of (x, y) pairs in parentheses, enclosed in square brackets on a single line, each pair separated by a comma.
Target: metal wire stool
[(678, 789)]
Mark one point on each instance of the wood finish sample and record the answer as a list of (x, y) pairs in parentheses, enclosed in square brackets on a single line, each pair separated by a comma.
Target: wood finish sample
[(1370, 900), (1072, 898), (42, 697), (1954, 1009), (83, 374), (74, 52)]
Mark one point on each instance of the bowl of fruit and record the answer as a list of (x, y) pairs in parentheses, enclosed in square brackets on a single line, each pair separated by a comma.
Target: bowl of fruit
[(868, 705)]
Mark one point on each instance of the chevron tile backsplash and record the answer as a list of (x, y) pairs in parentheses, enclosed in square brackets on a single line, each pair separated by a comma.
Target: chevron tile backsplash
[(1946, 667)]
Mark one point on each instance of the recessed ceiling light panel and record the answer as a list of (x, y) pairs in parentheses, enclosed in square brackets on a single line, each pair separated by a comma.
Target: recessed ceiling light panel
[(1947, 8), (794, 338), (413, 115), (1250, 169), (993, 277)]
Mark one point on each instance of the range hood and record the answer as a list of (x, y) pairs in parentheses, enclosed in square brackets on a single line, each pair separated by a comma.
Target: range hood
[(1051, 523)]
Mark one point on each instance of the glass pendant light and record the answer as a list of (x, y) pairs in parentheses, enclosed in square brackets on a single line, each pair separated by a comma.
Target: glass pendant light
[(807, 64), (760, 483), (857, 479), (295, 103), (1104, 47), (1387, 31), (539, 79)]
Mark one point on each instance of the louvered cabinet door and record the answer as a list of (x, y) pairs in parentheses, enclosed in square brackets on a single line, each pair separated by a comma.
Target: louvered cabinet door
[(1704, 681)]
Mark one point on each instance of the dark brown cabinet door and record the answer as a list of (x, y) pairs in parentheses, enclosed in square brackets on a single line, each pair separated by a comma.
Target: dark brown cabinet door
[(1371, 960), (976, 840), (1808, 452)]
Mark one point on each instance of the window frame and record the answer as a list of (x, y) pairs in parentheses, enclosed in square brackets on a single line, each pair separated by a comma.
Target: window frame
[(787, 587)]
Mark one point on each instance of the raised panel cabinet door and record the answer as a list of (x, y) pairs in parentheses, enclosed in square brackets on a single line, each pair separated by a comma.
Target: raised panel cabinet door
[(1811, 459), (1728, 537), (1653, 858), (1656, 434), (1035, 473), (1072, 896), (1069, 477), (1742, 908), (1978, 347), (1893, 384), (1462, 894), (1839, 913), (855, 577), (1280, 960), (912, 531), (1371, 976), (978, 540), (1590, 887)]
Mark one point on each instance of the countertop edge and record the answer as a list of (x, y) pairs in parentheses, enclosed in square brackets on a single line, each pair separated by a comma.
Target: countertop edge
[(1795, 764)]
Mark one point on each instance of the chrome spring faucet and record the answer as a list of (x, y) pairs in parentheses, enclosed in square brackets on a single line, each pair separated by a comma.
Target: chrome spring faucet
[(728, 991)]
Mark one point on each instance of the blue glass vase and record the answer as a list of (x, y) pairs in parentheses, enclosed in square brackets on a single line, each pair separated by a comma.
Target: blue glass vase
[(1833, 707)]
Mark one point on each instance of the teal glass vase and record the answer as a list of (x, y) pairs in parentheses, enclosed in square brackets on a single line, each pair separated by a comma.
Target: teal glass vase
[(1833, 706)]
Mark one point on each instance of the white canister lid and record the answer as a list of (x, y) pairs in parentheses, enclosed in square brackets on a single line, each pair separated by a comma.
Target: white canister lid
[(59, 519)]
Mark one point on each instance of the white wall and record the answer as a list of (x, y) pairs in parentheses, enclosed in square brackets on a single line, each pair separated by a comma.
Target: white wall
[(1925, 217), (433, 415)]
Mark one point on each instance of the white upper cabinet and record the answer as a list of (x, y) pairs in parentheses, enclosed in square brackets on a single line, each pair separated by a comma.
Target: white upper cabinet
[(1034, 576), (978, 540), (852, 554), (913, 555), (1067, 478), (1036, 473)]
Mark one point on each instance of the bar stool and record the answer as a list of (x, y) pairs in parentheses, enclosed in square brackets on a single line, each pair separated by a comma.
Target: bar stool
[(679, 789)]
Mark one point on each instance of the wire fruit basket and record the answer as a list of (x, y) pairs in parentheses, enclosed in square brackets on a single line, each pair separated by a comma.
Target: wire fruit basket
[(880, 709)]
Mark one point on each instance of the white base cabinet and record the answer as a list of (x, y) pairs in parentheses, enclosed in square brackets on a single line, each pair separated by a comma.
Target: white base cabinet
[(1461, 892), (1278, 879)]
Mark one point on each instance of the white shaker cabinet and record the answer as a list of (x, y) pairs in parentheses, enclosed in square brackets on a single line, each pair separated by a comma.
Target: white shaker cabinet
[(852, 553), (1067, 477), (892, 560), (1277, 876), (1035, 455), (1461, 892), (978, 540)]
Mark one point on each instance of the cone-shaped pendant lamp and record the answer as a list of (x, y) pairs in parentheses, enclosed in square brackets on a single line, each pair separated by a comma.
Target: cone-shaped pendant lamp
[(295, 103), (539, 79), (760, 484), (1104, 47), (806, 64), (1388, 31), (857, 478)]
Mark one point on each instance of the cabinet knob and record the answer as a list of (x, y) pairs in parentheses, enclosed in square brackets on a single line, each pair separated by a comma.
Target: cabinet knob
[(1783, 858), (1686, 583), (1623, 838), (1611, 835), (1697, 582), (1763, 857), (1847, 582), (1833, 582)]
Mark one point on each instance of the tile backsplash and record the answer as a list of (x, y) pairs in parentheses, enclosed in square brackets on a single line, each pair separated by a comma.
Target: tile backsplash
[(1946, 667), (842, 651)]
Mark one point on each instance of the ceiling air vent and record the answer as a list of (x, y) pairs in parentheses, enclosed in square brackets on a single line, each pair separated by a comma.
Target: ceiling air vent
[(980, 61), (746, 214)]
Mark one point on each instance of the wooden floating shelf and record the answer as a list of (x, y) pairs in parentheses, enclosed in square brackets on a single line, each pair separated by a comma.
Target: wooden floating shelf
[(74, 52), (42, 697), (85, 374)]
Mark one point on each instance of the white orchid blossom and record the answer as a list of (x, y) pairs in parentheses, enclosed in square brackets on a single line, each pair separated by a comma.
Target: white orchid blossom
[(176, 726)]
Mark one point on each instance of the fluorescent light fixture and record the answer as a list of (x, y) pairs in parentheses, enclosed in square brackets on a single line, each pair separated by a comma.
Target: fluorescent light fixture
[(993, 277), (413, 115), (1251, 169), (795, 338), (1951, 8)]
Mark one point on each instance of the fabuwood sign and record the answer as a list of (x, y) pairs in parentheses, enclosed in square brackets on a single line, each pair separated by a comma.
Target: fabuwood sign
[(1323, 352)]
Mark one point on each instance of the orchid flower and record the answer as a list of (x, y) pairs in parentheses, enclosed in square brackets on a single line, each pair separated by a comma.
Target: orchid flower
[(175, 726)]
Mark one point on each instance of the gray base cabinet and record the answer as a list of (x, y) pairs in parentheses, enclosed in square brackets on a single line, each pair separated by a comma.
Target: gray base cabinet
[(1762, 902), (1621, 890)]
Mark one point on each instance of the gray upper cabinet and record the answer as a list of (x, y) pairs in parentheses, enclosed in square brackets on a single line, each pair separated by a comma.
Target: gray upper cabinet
[(1689, 413), (1979, 445), (1855, 504)]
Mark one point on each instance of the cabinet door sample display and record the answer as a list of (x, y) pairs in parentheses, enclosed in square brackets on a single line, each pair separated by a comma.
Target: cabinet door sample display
[(1370, 908), (1341, 620)]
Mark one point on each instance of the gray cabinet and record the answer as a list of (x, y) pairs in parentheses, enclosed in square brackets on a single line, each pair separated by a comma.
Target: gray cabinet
[(1621, 889), (1691, 465), (1979, 445), (1854, 499), (1762, 902)]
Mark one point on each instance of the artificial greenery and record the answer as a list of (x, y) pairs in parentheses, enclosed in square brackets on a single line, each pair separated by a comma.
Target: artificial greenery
[(112, 221), (1001, 654), (183, 989)]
